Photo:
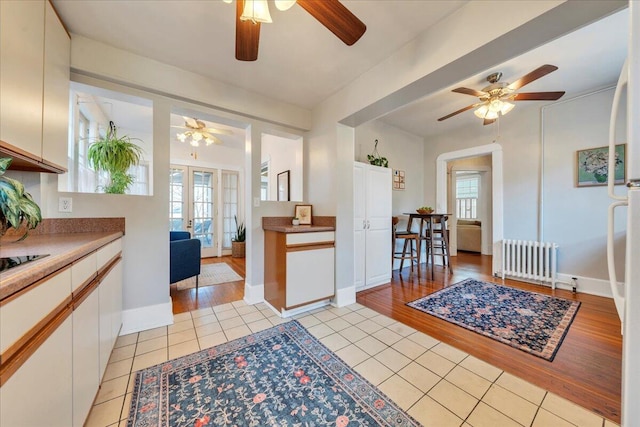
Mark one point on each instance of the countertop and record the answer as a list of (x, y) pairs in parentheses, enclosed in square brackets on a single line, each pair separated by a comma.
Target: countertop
[(63, 249), (298, 228)]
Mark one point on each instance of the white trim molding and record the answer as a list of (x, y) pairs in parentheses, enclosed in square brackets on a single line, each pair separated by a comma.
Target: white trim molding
[(148, 317), (495, 150), (253, 294), (344, 297)]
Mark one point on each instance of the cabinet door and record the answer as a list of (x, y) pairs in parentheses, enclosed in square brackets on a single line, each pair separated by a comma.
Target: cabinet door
[(378, 233), (86, 348), (359, 224), (39, 393), (110, 291), (21, 65), (310, 275), (55, 99)]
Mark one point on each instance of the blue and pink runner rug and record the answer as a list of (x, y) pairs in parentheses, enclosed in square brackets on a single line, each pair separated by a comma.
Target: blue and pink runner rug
[(528, 321), (282, 376)]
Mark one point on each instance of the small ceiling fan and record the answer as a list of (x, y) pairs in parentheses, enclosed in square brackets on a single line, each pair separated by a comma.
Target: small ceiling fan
[(494, 99), (330, 13), (197, 131)]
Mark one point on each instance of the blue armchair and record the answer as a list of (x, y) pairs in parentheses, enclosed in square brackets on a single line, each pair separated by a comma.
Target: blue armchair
[(184, 256)]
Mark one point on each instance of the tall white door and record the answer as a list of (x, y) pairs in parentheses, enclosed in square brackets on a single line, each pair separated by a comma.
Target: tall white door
[(372, 225), (193, 205)]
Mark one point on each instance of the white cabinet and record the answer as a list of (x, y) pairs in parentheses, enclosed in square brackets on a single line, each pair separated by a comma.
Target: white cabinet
[(21, 65), (34, 80), (372, 225), (55, 97), (299, 269), (110, 317)]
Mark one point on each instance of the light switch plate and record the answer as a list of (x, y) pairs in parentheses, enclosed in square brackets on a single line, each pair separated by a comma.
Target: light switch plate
[(256, 202), (65, 204)]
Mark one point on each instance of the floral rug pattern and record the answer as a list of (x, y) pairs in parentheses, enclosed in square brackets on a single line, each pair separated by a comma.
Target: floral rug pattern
[(282, 376), (529, 321)]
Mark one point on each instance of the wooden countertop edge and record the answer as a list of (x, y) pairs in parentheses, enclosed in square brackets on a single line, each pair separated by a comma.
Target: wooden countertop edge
[(298, 228), (36, 270)]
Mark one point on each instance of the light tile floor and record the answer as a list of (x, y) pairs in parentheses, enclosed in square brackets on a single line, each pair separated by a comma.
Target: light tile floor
[(436, 383)]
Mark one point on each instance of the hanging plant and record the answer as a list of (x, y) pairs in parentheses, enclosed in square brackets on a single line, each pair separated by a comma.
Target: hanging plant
[(115, 155), (376, 159), (16, 205)]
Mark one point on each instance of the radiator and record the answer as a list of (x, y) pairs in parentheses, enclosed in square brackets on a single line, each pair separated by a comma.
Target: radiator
[(528, 260)]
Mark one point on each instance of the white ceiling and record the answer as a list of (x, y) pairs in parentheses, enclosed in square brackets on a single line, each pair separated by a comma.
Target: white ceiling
[(299, 61), (302, 63), (587, 59)]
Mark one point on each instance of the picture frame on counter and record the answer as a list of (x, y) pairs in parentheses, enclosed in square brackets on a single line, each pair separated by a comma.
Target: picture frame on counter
[(303, 213)]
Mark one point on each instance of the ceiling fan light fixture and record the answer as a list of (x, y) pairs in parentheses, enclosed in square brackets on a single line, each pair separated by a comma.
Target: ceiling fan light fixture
[(182, 137), (256, 11), (491, 115), (481, 112), (284, 4), (506, 107)]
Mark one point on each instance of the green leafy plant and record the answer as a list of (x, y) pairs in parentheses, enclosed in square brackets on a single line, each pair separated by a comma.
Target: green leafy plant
[(241, 231), (376, 159), (16, 205), (115, 155)]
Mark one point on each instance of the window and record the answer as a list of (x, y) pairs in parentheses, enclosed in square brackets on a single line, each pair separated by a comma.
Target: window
[(467, 193), (93, 109), (229, 207), (264, 181)]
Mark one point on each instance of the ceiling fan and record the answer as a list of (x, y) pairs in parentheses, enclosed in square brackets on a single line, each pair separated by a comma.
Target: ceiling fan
[(197, 131), (494, 99), (330, 13)]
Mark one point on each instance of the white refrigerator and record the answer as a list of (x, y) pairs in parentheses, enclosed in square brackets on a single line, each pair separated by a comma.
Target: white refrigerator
[(627, 299)]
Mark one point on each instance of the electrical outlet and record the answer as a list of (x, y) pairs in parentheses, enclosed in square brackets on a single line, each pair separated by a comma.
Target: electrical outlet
[(65, 204)]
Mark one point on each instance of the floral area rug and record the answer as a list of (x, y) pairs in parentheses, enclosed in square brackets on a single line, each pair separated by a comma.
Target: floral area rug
[(282, 376), (529, 321), (211, 274)]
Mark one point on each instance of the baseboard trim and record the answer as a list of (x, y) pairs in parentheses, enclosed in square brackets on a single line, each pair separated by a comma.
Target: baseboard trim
[(148, 317), (253, 294), (344, 297), (586, 285)]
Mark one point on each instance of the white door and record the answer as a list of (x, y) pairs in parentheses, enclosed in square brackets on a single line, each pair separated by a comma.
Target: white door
[(378, 240), (193, 205)]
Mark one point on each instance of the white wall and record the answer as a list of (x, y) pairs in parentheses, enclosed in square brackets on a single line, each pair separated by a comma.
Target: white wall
[(575, 218), (284, 154)]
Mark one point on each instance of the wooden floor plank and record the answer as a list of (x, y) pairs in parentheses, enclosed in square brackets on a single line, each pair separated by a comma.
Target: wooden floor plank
[(587, 366)]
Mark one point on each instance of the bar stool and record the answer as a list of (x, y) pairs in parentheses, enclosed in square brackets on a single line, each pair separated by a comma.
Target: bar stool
[(409, 239), (437, 242)]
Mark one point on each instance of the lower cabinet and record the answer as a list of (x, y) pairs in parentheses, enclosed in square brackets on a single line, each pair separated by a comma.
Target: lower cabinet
[(40, 392), (86, 375), (110, 291)]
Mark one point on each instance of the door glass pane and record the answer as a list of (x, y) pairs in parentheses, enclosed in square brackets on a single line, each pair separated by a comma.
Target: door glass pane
[(230, 207), (176, 199), (203, 207)]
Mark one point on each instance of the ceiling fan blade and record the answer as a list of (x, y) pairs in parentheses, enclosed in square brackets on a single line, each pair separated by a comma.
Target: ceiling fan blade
[(337, 18), (472, 92), (247, 36), (488, 121), (538, 96), (462, 110), (218, 131), (534, 75)]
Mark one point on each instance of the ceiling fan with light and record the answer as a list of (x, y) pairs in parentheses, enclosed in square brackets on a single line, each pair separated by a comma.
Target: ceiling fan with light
[(330, 13), (495, 98), (197, 132)]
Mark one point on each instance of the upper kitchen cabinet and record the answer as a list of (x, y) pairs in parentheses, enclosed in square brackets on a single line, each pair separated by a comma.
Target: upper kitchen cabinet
[(34, 83), (55, 98)]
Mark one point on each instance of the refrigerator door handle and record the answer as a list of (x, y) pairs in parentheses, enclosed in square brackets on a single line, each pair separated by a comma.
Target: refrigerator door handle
[(618, 298), (622, 84)]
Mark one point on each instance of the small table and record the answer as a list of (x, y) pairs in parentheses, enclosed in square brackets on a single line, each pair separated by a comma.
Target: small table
[(430, 220)]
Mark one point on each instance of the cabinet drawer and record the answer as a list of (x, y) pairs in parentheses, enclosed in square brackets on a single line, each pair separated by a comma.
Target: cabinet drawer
[(315, 237), (21, 314), (83, 270), (107, 252)]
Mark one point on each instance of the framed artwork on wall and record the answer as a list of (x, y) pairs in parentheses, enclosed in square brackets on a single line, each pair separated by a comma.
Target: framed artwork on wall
[(283, 186), (398, 179), (303, 213), (592, 166)]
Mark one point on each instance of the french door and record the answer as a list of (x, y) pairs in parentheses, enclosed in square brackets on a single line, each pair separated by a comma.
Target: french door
[(194, 205)]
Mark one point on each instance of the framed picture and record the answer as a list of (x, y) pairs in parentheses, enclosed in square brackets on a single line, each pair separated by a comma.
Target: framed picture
[(283, 186), (398, 179), (592, 166), (303, 213)]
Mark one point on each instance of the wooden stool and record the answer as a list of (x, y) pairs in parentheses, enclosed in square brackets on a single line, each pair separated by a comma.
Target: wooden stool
[(437, 239), (409, 239)]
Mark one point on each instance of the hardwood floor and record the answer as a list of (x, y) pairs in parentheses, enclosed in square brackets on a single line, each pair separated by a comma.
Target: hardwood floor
[(586, 369)]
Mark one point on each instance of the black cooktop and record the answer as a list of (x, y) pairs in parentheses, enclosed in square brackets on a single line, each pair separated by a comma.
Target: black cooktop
[(14, 261)]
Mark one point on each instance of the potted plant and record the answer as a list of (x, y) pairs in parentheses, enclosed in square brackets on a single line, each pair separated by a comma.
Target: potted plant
[(238, 243), (376, 159), (115, 155), (16, 205), (295, 220)]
